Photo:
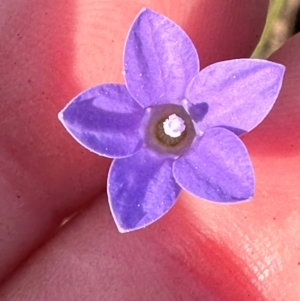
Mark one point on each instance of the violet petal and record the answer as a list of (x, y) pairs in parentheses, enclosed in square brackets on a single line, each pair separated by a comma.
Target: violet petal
[(141, 189), (106, 120), (236, 94), (159, 60), (216, 168)]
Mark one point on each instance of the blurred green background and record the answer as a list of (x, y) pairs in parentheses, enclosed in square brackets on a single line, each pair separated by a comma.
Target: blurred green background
[(282, 23)]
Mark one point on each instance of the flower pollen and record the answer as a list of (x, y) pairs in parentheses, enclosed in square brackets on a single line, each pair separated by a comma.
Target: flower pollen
[(174, 126)]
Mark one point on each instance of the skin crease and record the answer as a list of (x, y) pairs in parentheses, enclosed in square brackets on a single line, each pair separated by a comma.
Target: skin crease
[(199, 250)]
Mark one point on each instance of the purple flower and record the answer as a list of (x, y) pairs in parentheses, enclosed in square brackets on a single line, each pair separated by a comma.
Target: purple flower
[(171, 127)]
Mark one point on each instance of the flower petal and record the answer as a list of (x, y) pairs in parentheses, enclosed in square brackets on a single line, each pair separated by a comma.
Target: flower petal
[(106, 120), (141, 189), (236, 94), (159, 60), (217, 168)]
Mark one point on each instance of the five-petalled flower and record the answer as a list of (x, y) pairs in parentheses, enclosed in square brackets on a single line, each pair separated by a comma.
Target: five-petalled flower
[(171, 126)]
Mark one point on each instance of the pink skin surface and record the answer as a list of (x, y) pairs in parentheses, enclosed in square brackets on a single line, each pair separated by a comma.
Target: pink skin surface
[(52, 50)]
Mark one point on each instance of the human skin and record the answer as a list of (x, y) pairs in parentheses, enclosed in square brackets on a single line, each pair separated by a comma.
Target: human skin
[(52, 50)]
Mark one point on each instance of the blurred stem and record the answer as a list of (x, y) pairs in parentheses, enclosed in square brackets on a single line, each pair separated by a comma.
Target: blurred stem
[(279, 26)]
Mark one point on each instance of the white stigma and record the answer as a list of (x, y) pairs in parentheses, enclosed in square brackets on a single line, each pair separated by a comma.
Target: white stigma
[(174, 126)]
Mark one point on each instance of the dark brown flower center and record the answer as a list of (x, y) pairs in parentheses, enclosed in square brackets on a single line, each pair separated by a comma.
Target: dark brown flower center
[(155, 133)]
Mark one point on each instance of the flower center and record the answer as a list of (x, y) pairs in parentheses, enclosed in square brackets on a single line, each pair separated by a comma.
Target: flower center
[(174, 126), (168, 129)]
